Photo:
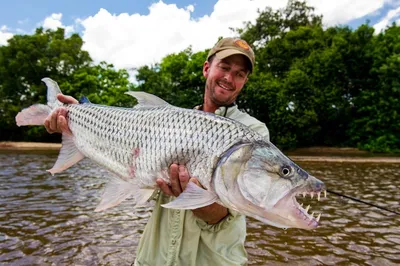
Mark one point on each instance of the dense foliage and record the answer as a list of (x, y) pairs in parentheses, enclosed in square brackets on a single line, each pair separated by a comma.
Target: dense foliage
[(312, 85), (29, 58)]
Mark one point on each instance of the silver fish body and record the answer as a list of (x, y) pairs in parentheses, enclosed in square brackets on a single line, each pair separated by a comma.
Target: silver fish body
[(139, 144), (237, 167)]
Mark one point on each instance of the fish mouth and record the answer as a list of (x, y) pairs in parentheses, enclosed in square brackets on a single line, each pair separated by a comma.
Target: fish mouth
[(298, 215)]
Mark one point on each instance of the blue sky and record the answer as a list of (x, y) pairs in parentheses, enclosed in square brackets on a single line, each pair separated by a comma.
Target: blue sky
[(25, 14), (130, 33)]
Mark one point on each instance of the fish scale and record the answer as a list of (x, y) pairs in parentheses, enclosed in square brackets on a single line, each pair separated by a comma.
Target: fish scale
[(163, 135)]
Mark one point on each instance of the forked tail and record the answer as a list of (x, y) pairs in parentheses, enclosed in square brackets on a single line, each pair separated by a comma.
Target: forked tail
[(37, 113)]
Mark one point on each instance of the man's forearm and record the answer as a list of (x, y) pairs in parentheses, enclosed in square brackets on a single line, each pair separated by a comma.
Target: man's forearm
[(211, 214)]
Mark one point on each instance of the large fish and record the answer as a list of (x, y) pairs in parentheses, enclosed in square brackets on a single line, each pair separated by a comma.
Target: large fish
[(237, 167)]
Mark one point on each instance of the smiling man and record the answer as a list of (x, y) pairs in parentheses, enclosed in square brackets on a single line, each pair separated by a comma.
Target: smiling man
[(211, 235)]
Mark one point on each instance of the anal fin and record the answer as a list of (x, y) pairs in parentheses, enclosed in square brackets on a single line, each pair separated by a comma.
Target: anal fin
[(68, 156), (118, 189)]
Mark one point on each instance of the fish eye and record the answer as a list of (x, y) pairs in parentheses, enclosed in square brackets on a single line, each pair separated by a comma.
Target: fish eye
[(286, 170)]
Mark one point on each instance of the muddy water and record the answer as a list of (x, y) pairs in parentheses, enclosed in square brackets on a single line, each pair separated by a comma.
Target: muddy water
[(47, 220)]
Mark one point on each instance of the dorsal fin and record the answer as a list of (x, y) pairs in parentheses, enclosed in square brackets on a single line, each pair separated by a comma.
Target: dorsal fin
[(84, 99), (146, 99), (52, 91)]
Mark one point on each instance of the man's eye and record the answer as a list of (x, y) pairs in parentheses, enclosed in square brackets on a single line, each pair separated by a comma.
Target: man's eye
[(241, 75)]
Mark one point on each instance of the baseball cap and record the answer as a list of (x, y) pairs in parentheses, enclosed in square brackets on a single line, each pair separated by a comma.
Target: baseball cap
[(230, 46)]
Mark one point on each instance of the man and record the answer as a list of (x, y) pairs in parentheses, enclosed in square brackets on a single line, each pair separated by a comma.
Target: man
[(212, 235)]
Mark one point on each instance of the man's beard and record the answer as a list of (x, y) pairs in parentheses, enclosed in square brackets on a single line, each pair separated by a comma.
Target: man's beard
[(218, 102)]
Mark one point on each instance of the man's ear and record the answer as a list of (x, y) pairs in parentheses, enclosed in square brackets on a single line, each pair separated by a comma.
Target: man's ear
[(206, 69)]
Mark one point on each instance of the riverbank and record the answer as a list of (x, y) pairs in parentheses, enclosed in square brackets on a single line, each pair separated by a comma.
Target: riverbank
[(317, 154)]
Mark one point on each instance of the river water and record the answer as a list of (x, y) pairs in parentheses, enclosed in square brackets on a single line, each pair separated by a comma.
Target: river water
[(49, 220)]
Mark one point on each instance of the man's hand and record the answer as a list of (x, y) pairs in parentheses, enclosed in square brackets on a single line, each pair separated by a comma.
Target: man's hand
[(56, 121), (179, 177)]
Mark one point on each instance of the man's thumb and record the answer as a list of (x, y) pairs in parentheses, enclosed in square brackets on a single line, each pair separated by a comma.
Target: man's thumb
[(194, 180)]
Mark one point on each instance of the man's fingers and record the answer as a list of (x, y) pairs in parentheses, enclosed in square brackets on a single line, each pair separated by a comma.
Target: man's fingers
[(63, 125), (53, 121), (62, 111), (174, 178), (66, 99), (183, 177), (47, 125), (164, 187), (56, 122)]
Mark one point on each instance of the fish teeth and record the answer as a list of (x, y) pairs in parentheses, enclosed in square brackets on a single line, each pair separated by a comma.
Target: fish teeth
[(319, 216), (319, 195), (308, 207), (304, 194), (312, 195), (325, 193)]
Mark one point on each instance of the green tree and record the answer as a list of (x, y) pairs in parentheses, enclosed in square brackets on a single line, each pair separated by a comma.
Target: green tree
[(178, 79), (376, 123), (29, 58)]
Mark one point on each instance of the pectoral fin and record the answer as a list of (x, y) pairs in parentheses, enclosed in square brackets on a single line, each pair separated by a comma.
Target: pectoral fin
[(192, 198)]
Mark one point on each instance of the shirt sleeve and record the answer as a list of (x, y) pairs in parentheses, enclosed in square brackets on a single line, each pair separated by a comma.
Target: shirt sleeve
[(246, 119), (224, 223)]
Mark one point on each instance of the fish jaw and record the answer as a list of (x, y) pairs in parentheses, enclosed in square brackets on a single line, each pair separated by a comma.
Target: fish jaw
[(293, 213), (250, 181)]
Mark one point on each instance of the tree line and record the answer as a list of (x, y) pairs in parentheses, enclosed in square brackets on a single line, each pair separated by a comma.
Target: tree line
[(312, 85)]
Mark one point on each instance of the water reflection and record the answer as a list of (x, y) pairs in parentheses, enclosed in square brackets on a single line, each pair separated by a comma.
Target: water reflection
[(50, 220)]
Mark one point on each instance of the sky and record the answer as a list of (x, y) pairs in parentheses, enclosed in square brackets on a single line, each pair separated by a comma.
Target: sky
[(133, 33)]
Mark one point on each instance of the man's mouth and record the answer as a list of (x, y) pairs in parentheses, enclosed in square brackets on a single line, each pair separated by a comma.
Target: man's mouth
[(225, 87)]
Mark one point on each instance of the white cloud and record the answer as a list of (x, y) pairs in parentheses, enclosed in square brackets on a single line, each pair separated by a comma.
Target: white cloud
[(5, 34), (387, 20), (133, 40), (54, 21), (343, 11)]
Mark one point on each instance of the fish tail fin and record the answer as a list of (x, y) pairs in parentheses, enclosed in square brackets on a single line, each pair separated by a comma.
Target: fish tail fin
[(34, 115), (37, 113)]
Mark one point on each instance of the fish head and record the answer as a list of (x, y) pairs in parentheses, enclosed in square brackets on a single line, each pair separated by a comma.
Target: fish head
[(258, 180)]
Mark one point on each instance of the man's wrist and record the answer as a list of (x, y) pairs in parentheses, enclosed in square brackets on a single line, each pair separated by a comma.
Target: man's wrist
[(225, 213)]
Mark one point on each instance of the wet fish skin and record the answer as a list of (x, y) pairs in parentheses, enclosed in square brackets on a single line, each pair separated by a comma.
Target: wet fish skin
[(135, 142), (237, 167)]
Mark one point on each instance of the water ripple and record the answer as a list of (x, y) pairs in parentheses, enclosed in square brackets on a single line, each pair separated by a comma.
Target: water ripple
[(50, 220)]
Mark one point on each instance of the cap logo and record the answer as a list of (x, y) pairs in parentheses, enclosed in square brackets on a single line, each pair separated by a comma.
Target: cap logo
[(242, 44)]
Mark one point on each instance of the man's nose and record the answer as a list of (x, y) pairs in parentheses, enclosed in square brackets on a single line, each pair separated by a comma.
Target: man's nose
[(229, 76)]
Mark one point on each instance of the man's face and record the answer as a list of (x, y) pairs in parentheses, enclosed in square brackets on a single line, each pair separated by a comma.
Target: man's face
[(225, 78)]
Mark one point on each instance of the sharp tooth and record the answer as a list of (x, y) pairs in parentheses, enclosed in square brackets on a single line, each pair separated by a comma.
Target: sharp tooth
[(319, 196), (312, 195), (304, 194), (325, 193), (308, 207), (319, 216), (312, 214), (301, 204)]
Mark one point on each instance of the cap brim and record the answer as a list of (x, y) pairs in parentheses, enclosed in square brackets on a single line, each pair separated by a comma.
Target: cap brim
[(228, 52)]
